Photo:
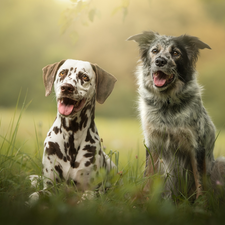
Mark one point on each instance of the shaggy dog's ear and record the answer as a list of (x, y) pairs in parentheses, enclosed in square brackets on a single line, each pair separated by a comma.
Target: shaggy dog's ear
[(49, 73), (144, 38), (144, 41), (192, 45), (104, 83)]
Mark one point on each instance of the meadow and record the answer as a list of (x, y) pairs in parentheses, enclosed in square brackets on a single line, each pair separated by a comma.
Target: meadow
[(22, 134)]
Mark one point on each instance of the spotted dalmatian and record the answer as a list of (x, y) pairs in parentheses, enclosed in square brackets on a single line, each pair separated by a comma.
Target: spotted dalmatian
[(72, 148)]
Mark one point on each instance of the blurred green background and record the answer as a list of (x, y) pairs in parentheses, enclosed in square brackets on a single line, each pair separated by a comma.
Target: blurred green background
[(39, 32)]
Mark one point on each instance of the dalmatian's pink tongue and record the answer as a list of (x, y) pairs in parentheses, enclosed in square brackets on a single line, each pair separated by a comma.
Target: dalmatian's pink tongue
[(65, 108)]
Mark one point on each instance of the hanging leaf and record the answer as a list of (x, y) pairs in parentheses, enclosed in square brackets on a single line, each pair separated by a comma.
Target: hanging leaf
[(91, 14), (116, 10), (125, 3), (65, 21), (74, 1), (83, 12), (125, 12), (123, 7)]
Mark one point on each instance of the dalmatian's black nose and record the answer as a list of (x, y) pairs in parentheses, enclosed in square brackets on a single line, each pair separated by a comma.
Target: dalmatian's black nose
[(160, 61), (67, 88)]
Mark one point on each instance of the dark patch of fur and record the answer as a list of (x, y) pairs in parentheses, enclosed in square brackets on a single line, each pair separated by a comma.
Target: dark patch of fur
[(54, 149), (56, 130), (58, 168), (89, 137)]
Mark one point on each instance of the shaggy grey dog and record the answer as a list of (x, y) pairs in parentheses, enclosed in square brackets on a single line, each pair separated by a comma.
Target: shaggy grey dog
[(179, 134)]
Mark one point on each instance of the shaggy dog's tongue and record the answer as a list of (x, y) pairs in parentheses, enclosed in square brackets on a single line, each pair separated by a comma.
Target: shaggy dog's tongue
[(160, 78), (65, 106)]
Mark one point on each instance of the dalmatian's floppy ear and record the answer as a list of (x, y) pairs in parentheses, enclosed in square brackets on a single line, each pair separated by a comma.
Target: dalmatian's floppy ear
[(49, 73), (104, 83)]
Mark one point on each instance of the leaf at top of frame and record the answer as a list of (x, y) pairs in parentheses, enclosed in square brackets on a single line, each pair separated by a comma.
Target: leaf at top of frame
[(74, 1), (91, 14)]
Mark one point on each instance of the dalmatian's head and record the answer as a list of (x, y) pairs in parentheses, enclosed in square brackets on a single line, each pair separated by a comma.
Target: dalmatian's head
[(75, 84)]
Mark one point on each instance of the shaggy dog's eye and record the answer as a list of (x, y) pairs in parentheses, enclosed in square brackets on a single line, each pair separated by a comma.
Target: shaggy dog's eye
[(176, 53), (155, 50)]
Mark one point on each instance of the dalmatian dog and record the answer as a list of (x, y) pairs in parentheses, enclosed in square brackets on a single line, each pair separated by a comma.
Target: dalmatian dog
[(72, 148)]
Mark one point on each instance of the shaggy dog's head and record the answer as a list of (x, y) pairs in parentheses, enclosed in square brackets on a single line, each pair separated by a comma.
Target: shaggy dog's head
[(167, 62)]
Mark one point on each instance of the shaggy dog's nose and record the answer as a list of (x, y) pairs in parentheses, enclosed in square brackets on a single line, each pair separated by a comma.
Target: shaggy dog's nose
[(160, 61)]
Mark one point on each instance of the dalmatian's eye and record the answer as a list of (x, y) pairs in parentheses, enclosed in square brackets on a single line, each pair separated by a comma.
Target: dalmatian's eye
[(85, 78), (62, 73)]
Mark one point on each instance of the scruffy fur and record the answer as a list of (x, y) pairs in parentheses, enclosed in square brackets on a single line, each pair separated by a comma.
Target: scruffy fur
[(179, 134)]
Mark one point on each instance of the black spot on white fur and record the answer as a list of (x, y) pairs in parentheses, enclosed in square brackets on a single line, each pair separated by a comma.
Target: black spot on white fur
[(54, 149)]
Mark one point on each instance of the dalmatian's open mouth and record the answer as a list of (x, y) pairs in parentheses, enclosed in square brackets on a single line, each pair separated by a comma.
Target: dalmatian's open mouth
[(161, 79), (67, 106)]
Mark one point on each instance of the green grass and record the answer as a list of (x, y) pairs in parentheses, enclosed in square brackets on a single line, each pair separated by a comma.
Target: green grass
[(21, 139)]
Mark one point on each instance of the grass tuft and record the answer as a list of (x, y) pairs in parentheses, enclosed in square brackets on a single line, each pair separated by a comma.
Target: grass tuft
[(123, 203)]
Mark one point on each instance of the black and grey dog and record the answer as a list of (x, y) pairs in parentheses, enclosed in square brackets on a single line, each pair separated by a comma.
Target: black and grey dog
[(179, 134)]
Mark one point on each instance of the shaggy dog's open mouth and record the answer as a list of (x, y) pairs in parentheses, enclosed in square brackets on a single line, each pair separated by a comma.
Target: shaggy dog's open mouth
[(161, 79), (67, 106)]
